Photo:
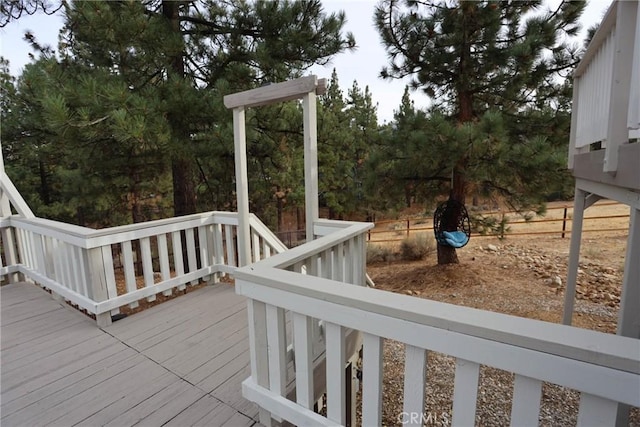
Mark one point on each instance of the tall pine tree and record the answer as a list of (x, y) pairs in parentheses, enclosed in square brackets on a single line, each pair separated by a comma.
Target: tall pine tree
[(150, 76), (480, 60)]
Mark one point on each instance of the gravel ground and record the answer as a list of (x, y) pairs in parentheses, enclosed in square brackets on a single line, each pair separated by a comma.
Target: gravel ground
[(559, 405)]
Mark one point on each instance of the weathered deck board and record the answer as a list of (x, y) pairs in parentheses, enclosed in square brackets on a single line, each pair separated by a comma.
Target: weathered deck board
[(180, 363)]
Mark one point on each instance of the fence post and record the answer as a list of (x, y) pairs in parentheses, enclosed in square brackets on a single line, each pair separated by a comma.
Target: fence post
[(408, 225), (564, 221)]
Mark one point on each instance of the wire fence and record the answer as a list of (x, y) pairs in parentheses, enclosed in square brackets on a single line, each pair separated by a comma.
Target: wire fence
[(517, 226), (515, 223)]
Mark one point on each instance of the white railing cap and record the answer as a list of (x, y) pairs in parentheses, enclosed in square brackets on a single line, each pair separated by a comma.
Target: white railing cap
[(302, 252)]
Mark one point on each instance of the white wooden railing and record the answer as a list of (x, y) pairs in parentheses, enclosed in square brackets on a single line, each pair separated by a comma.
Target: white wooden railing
[(604, 368), (84, 265), (606, 94), (276, 346)]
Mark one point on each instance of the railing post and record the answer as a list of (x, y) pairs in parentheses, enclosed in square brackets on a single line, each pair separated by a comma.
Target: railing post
[(564, 221), (97, 283), (258, 350), (10, 254), (242, 187)]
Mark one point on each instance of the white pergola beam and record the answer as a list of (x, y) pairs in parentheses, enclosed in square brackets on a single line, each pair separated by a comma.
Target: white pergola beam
[(277, 92)]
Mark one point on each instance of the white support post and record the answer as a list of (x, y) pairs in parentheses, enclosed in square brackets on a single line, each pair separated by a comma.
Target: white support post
[(242, 187), (98, 283), (310, 163), (629, 314), (574, 255), (8, 234), (10, 253), (258, 350), (617, 132)]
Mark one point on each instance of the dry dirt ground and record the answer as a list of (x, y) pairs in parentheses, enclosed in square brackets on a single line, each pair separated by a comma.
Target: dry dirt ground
[(522, 276)]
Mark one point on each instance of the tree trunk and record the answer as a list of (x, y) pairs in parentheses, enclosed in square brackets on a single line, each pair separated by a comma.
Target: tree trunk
[(184, 196), (44, 185), (447, 254), (407, 195), (184, 200)]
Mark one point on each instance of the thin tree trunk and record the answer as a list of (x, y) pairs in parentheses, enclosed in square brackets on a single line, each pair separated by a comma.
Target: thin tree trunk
[(184, 201), (44, 185), (184, 197)]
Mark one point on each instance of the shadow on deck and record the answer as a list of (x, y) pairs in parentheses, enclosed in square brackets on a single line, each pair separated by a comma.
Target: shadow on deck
[(180, 363)]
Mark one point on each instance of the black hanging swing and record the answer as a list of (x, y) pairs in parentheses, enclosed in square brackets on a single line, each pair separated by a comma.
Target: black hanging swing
[(451, 224)]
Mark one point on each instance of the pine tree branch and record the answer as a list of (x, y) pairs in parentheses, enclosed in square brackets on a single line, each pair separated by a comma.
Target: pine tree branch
[(215, 29)]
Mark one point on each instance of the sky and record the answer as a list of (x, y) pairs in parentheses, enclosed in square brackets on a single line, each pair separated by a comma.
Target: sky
[(363, 64)]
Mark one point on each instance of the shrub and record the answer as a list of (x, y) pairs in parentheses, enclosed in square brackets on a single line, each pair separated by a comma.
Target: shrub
[(417, 247), (379, 253)]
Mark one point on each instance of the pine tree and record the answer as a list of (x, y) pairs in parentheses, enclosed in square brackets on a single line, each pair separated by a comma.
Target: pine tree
[(346, 129), (480, 60), (149, 77)]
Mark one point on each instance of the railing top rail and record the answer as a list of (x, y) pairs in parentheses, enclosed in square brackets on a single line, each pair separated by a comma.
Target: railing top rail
[(588, 346), (267, 234), (89, 238), (336, 223), (316, 246), (606, 26), (162, 222)]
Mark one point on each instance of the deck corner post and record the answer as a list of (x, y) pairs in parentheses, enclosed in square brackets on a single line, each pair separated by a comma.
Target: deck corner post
[(97, 283), (258, 350), (11, 256)]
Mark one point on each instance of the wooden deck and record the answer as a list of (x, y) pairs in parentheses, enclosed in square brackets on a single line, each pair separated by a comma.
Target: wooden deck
[(177, 364)]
